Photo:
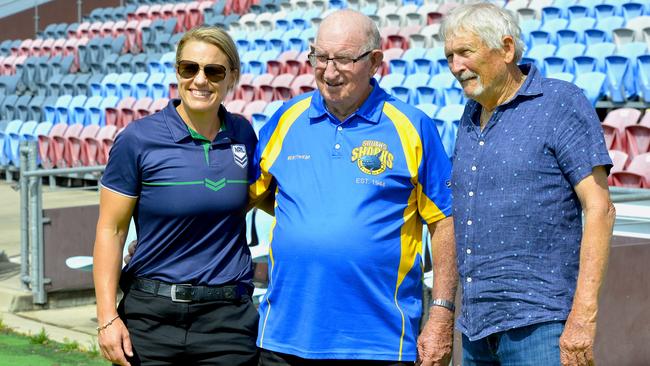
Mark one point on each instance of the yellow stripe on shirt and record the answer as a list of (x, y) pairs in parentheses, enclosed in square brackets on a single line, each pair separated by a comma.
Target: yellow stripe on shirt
[(274, 146)]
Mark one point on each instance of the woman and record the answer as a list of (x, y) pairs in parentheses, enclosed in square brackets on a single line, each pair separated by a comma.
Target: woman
[(183, 174)]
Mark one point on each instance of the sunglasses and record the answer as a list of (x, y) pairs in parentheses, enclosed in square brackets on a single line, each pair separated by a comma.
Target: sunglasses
[(213, 72)]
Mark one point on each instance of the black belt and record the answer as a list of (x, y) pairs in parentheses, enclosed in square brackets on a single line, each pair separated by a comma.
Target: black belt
[(190, 293)]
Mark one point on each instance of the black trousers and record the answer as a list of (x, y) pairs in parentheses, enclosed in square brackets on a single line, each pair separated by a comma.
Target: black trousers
[(215, 333), (270, 358)]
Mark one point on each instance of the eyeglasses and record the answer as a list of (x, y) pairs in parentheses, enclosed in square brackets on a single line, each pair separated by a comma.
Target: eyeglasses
[(213, 72), (341, 63)]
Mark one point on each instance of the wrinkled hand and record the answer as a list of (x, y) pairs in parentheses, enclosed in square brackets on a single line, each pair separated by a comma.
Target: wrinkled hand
[(115, 343), (437, 338), (131, 250), (577, 341)]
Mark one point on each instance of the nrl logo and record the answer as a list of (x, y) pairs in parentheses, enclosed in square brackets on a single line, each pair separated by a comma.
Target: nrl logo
[(372, 157), (239, 154)]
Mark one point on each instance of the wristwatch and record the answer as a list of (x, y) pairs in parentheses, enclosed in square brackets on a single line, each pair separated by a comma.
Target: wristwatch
[(449, 305)]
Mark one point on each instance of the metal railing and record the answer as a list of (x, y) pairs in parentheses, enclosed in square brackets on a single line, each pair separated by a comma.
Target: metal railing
[(31, 217), (31, 214)]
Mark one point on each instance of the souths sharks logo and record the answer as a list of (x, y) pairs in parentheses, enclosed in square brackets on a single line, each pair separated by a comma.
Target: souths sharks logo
[(372, 157), (239, 154)]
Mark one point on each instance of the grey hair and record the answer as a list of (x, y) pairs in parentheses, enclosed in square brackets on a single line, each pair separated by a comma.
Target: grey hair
[(488, 21), (370, 30)]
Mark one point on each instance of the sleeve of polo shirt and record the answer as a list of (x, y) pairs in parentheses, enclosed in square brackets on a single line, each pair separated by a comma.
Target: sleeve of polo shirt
[(122, 174), (579, 143), (434, 176), (262, 180)]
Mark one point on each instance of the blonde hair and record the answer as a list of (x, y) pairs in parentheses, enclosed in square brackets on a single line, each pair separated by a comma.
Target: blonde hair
[(217, 37)]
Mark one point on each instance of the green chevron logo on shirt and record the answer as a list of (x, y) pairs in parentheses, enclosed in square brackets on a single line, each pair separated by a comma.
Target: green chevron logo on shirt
[(208, 183), (215, 186)]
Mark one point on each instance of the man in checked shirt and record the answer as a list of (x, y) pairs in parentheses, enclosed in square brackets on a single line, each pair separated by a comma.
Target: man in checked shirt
[(530, 158)]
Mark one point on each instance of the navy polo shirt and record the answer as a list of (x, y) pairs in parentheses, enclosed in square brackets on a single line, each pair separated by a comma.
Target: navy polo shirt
[(192, 195), (516, 213)]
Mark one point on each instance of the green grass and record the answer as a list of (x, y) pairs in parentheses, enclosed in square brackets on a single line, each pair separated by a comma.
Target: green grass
[(39, 350)]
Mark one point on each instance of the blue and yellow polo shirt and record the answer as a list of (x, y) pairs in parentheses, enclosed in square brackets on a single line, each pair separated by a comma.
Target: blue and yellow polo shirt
[(345, 272), (192, 195)]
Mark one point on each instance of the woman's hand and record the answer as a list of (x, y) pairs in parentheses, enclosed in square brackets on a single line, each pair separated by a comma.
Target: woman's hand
[(115, 343)]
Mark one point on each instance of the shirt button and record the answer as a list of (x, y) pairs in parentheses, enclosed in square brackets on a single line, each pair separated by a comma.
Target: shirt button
[(337, 146), (469, 279), (471, 193), (481, 143), (469, 251), (473, 168), (339, 128), (469, 222)]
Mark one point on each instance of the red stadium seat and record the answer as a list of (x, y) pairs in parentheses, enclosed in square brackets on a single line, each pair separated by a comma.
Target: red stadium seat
[(614, 126), (236, 106), (46, 145), (92, 151), (141, 107), (282, 87), (75, 145), (256, 106), (60, 144), (638, 136), (637, 174), (619, 160)]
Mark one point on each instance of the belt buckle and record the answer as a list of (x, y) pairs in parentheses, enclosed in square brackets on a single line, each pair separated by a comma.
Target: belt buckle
[(173, 292)]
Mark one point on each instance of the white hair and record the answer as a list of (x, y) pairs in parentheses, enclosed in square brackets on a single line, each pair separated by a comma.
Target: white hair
[(488, 21)]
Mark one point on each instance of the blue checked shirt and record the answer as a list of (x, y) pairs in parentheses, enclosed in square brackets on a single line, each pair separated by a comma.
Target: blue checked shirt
[(517, 216)]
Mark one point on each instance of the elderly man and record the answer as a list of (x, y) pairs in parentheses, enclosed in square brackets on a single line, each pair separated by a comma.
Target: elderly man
[(353, 172), (530, 157)]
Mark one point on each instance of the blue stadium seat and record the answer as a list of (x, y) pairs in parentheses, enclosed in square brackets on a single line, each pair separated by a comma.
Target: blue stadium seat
[(76, 112), (109, 63), (8, 84), (35, 108), (110, 84), (429, 109), (450, 116), (124, 84), (551, 13), (8, 107), (124, 63), (620, 78), (554, 25), (139, 63), (82, 83), (540, 52), (93, 110), (602, 11), (592, 84), (407, 91), (5, 140), (566, 76), (599, 51), (632, 50), (631, 10), (643, 77), (140, 85), (21, 109), (608, 25), (390, 80), (168, 60), (538, 37), (61, 109), (439, 82), (27, 128), (156, 86)]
